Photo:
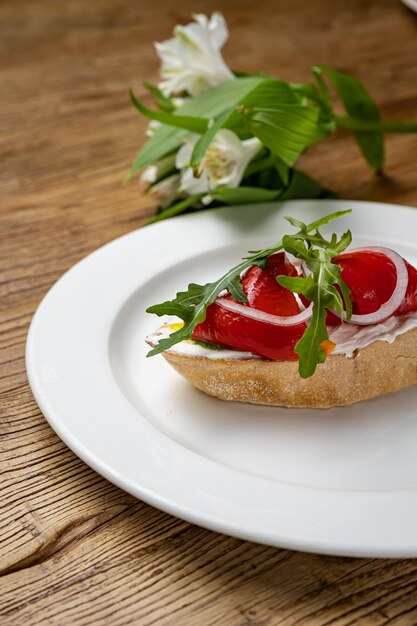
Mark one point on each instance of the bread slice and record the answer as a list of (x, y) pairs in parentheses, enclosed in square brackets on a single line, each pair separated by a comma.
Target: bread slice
[(377, 369)]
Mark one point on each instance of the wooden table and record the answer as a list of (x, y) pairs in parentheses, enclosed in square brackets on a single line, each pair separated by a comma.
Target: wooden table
[(74, 549)]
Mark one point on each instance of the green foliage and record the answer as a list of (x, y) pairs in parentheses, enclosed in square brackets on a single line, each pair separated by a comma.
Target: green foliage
[(208, 105), (360, 105), (184, 122), (286, 129), (319, 287), (244, 195), (287, 118), (301, 186)]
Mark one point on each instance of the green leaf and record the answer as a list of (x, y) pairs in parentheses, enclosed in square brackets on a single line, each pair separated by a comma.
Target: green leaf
[(236, 290), (383, 126), (205, 140), (324, 91), (346, 298), (208, 105), (309, 346), (286, 129), (184, 122), (358, 103), (282, 169), (164, 103), (271, 93), (260, 163), (303, 186), (319, 287), (176, 209), (296, 284), (268, 93), (244, 195)]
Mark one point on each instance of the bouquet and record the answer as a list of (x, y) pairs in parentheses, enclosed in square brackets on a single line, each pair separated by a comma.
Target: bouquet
[(218, 136)]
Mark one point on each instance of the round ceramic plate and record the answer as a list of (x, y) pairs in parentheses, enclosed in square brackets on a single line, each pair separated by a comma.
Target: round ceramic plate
[(340, 481), (411, 4)]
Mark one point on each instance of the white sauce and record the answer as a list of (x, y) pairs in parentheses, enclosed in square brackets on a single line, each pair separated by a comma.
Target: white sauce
[(347, 337), (190, 348), (351, 337)]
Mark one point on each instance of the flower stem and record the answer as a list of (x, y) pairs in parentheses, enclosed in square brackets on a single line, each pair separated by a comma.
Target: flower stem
[(176, 208), (352, 123)]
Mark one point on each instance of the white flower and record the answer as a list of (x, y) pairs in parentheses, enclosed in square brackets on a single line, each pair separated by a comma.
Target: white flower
[(167, 190), (152, 127), (191, 60), (151, 173), (223, 165)]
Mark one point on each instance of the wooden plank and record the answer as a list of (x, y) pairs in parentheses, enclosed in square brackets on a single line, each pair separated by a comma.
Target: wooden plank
[(74, 549)]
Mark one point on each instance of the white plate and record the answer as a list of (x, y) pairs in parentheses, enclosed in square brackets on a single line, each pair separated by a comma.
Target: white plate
[(411, 4), (341, 481)]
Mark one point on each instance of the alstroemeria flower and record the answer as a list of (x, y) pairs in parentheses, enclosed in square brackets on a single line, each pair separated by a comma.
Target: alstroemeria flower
[(152, 127), (223, 165), (167, 190), (191, 60), (151, 173)]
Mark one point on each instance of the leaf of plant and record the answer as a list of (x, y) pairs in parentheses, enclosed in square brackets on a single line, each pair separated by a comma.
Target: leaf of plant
[(208, 105), (319, 287), (286, 129), (282, 169), (164, 103), (184, 122), (303, 186), (236, 290), (205, 140), (346, 298), (263, 173), (296, 247), (358, 103), (268, 93), (308, 347), (324, 91), (244, 195), (260, 163), (182, 302), (176, 209), (297, 284), (271, 93)]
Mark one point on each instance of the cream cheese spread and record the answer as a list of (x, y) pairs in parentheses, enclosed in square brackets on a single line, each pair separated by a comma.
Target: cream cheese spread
[(348, 338), (351, 337)]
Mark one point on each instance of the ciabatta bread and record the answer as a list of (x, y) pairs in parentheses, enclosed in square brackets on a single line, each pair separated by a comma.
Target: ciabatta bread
[(375, 370)]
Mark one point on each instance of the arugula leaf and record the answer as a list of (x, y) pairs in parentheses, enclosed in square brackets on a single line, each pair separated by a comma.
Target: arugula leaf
[(319, 287), (359, 104), (191, 305), (236, 290)]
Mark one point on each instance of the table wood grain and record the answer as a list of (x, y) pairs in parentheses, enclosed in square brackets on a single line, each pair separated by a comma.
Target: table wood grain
[(74, 549)]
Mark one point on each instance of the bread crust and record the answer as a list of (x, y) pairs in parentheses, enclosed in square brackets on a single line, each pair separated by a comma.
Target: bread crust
[(377, 369)]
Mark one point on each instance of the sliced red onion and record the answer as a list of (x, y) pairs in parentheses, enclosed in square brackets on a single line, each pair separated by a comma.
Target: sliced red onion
[(391, 305), (261, 316), (304, 269)]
